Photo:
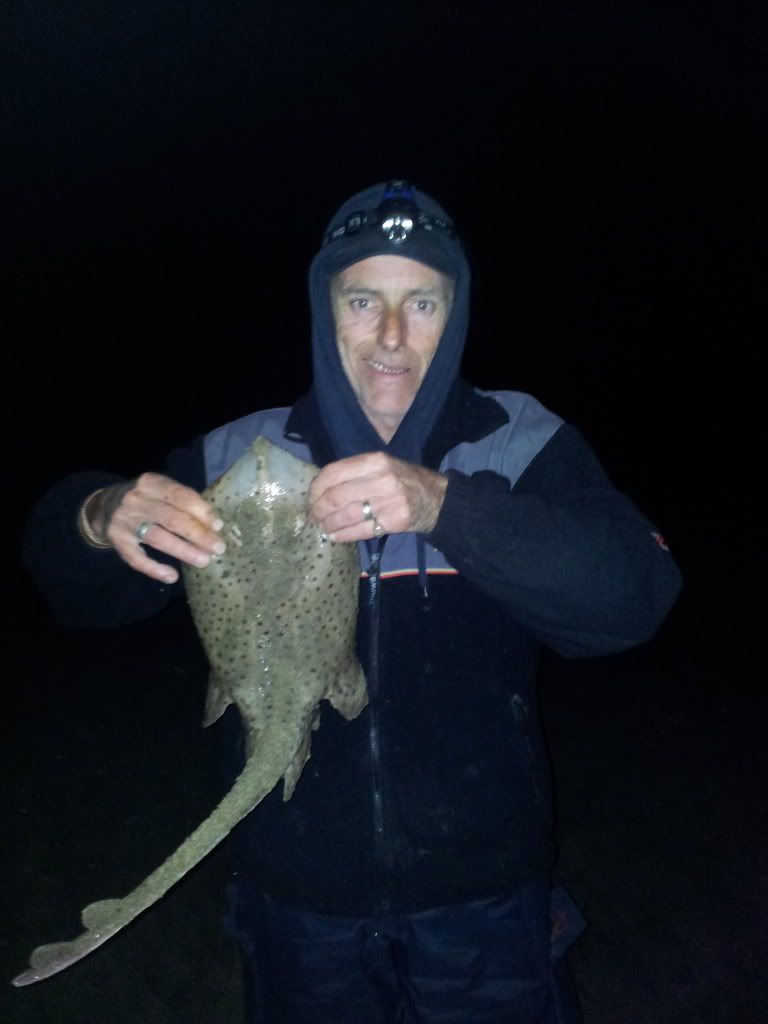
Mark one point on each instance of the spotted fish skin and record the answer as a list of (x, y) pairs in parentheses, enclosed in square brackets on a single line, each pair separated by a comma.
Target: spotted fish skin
[(276, 615)]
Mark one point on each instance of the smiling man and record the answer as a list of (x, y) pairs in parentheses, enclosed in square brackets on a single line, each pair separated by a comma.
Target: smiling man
[(390, 313), (408, 878)]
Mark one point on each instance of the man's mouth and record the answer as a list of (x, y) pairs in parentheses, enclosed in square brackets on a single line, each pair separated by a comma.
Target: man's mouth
[(392, 371)]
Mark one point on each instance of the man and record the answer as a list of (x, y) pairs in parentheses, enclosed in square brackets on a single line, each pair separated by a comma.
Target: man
[(408, 877)]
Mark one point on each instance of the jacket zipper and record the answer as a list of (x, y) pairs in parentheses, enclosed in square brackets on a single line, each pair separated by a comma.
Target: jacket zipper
[(520, 710), (382, 851)]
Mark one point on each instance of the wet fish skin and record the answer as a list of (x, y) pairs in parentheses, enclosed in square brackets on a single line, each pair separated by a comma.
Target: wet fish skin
[(276, 614)]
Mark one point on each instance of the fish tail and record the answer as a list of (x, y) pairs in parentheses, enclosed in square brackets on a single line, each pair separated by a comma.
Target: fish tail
[(105, 918)]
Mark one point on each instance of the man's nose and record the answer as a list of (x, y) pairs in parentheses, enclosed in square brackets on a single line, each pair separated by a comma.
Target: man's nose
[(392, 329)]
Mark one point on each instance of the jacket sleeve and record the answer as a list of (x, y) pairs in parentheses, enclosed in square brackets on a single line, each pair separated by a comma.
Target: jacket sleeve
[(570, 556), (90, 587)]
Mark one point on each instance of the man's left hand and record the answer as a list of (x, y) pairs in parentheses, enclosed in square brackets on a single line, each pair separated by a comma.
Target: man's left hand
[(400, 496)]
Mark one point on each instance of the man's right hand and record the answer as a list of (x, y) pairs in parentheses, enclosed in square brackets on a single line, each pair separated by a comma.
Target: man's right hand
[(182, 524)]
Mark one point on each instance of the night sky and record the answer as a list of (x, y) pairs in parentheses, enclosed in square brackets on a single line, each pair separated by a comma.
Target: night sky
[(173, 166), (170, 168)]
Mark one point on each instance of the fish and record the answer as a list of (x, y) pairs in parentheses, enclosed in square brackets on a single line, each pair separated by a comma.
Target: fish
[(276, 614)]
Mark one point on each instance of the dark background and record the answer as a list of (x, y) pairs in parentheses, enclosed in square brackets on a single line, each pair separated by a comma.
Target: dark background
[(169, 171)]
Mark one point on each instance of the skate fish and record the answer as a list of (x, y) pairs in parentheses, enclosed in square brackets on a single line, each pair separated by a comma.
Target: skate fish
[(276, 614)]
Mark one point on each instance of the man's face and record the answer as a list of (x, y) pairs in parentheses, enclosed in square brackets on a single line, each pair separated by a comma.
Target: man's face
[(390, 312)]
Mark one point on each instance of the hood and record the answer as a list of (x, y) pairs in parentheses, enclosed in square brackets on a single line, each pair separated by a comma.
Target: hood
[(393, 219)]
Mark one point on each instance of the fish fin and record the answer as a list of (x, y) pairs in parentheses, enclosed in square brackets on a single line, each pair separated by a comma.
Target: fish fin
[(348, 693), (217, 700), (101, 921), (98, 915), (293, 772)]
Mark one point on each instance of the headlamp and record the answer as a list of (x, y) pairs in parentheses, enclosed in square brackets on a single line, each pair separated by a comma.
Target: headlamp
[(397, 217)]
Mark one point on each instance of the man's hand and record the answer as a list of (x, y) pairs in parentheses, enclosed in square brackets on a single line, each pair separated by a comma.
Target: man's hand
[(403, 497), (181, 523)]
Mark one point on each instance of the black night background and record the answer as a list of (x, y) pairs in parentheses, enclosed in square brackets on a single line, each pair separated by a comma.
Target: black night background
[(169, 170)]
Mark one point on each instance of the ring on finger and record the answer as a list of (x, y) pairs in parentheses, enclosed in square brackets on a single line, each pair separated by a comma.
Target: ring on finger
[(142, 530), (368, 510), (378, 529)]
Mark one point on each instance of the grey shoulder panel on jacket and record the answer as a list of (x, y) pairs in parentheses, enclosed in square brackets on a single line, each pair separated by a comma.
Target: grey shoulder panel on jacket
[(224, 445), (509, 450)]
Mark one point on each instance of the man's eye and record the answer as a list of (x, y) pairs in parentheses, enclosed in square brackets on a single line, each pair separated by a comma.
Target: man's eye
[(361, 304), (424, 306)]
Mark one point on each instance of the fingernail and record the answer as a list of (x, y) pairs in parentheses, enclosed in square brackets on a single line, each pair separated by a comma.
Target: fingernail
[(219, 547), (217, 524), (202, 560), (169, 576)]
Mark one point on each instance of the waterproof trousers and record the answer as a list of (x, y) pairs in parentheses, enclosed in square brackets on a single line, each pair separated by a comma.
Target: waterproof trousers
[(492, 961)]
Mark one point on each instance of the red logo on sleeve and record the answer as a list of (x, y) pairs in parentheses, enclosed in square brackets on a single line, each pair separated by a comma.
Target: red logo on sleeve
[(659, 540)]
